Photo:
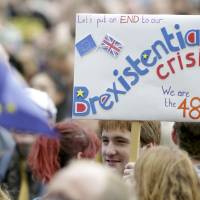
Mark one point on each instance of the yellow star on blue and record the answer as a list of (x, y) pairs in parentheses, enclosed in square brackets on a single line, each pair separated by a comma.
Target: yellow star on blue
[(1, 108), (145, 56), (80, 93), (11, 108)]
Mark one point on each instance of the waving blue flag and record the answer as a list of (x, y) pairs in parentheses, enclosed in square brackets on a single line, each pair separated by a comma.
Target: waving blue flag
[(17, 111)]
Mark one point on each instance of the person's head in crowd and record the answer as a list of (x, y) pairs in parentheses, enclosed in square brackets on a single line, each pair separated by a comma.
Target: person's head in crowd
[(55, 86), (23, 142), (44, 82), (157, 7), (48, 155), (86, 180), (43, 101), (116, 141), (58, 59), (165, 173), (182, 7), (187, 136), (91, 129), (27, 58)]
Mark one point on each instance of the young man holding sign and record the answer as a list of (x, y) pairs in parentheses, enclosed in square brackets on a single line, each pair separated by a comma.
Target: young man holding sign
[(116, 141)]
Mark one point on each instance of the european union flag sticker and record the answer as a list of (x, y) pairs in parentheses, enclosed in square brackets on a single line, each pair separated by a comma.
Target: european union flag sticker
[(85, 45)]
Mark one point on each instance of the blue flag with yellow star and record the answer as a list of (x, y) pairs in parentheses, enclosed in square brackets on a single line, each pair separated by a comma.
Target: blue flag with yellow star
[(17, 111)]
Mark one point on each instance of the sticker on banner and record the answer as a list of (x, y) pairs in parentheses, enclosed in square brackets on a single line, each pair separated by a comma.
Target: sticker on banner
[(111, 45), (86, 45), (80, 107)]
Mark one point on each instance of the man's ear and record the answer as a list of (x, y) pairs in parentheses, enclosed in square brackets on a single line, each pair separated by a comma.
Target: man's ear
[(80, 155), (174, 137)]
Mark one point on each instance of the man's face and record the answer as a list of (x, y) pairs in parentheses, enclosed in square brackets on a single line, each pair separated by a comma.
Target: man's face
[(116, 148)]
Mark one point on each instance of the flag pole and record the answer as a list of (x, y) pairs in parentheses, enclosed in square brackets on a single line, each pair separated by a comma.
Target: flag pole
[(135, 140)]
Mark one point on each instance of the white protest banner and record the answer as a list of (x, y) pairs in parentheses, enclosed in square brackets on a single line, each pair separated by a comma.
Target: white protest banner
[(137, 67)]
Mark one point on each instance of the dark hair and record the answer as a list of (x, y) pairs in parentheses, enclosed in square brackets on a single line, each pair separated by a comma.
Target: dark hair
[(48, 155), (188, 134)]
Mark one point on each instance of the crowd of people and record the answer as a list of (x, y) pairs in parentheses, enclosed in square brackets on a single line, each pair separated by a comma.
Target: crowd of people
[(88, 159), (64, 168)]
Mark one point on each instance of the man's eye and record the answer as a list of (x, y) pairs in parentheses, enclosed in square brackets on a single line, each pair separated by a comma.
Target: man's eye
[(121, 142)]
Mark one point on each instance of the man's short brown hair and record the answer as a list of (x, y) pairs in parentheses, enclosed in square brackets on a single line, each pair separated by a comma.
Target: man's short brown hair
[(150, 130), (188, 134)]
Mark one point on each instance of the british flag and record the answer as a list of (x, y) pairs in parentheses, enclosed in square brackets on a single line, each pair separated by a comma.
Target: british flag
[(111, 45)]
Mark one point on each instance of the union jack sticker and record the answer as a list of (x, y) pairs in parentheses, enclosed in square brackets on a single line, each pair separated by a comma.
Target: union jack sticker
[(111, 45)]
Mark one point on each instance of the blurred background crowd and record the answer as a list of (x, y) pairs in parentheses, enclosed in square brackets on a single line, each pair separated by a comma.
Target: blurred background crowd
[(39, 36)]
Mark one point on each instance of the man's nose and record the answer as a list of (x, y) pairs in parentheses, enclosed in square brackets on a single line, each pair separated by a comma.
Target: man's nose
[(111, 149)]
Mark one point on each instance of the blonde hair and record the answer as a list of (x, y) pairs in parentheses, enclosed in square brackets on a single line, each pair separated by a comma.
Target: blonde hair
[(150, 130), (163, 173), (93, 181)]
